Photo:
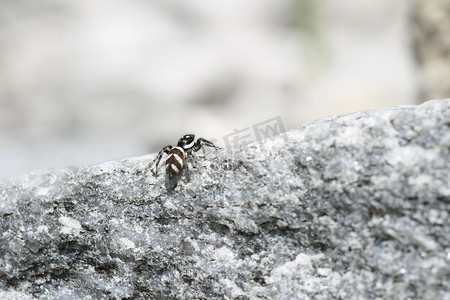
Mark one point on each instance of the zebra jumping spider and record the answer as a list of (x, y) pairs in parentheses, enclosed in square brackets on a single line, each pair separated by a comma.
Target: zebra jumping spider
[(177, 155)]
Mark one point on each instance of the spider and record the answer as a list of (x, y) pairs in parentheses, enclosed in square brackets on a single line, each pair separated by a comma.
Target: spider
[(176, 156)]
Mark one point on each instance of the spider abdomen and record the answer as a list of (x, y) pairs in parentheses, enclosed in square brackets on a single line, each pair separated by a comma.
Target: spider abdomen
[(176, 157), (175, 162)]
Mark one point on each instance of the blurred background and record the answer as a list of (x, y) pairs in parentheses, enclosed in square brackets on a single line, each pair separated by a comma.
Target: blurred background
[(83, 82)]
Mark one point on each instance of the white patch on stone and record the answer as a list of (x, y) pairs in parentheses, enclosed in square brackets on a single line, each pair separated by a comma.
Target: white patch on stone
[(301, 261), (7, 205), (42, 191), (127, 243), (70, 226), (42, 229), (224, 254), (421, 180), (170, 205), (235, 291), (411, 155), (324, 272)]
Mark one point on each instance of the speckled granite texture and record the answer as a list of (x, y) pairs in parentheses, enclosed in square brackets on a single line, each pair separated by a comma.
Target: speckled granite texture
[(350, 207)]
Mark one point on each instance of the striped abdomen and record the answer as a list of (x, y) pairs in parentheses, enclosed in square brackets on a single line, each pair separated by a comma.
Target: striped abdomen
[(174, 162)]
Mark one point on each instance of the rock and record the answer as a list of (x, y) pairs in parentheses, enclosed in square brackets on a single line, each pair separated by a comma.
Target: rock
[(349, 207)]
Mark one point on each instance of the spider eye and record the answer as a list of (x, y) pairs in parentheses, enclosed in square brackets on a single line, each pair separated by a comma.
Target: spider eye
[(189, 137)]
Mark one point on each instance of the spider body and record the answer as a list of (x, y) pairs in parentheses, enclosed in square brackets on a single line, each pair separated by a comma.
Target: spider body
[(176, 156), (175, 161)]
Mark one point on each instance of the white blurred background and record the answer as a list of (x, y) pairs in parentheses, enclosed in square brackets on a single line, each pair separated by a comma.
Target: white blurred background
[(88, 81)]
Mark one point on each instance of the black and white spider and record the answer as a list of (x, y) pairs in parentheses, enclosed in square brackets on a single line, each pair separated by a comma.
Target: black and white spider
[(176, 156)]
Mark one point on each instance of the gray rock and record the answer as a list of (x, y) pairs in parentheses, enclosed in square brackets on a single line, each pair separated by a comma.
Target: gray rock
[(350, 207)]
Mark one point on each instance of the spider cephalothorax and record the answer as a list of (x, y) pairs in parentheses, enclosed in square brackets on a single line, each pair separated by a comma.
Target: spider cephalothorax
[(176, 156)]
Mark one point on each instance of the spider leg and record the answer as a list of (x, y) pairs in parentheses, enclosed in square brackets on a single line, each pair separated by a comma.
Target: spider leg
[(157, 159), (201, 143), (189, 157)]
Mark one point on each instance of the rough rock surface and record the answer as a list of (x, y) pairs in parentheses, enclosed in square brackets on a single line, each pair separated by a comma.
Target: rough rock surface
[(349, 207)]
